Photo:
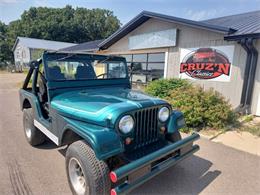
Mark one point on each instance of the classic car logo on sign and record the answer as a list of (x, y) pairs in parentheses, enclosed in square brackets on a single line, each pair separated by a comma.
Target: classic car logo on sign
[(205, 63)]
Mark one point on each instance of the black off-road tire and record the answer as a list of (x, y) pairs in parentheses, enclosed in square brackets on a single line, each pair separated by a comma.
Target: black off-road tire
[(96, 172), (174, 137), (33, 135)]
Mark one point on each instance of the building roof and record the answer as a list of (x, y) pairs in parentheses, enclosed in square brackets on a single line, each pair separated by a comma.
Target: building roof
[(231, 26), (145, 15), (41, 43), (87, 46), (245, 23)]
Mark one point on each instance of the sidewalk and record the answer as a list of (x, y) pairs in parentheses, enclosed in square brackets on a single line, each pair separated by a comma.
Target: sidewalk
[(243, 141)]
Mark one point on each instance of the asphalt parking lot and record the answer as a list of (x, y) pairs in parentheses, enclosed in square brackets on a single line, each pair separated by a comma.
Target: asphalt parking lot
[(215, 169)]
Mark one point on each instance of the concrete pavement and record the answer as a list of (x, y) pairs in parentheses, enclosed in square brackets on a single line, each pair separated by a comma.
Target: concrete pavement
[(215, 169)]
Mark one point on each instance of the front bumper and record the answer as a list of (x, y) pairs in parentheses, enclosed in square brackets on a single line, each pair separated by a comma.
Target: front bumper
[(186, 148)]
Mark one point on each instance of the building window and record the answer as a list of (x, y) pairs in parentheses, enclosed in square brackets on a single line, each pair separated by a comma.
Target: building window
[(152, 66), (129, 59)]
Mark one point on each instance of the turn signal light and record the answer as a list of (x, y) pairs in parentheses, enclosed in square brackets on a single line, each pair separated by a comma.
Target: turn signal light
[(113, 192), (128, 141), (113, 177), (163, 129)]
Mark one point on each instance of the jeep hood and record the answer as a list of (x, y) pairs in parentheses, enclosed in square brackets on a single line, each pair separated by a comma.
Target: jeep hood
[(101, 106)]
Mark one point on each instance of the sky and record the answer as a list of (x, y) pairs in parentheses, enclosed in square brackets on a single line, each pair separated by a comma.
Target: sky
[(125, 10)]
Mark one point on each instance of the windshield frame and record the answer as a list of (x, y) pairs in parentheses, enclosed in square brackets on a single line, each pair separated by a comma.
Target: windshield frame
[(52, 56)]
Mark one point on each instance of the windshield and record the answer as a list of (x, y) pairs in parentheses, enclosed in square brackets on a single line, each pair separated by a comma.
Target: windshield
[(73, 68)]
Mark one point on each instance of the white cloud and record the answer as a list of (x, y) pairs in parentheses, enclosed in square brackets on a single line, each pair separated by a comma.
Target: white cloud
[(8, 1), (41, 3), (203, 14)]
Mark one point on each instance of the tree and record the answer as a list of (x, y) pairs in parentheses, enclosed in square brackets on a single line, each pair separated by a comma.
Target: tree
[(3, 29), (5, 54), (62, 24)]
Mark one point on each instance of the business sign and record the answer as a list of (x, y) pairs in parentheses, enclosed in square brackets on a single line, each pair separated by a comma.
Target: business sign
[(207, 63), (164, 38)]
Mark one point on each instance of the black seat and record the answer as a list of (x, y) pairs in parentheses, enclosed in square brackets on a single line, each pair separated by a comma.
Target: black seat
[(43, 95), (42, 88), (55, 73), (85, 72)]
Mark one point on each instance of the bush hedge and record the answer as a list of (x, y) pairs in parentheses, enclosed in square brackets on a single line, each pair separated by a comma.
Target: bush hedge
[(201, 108), (161, 88)]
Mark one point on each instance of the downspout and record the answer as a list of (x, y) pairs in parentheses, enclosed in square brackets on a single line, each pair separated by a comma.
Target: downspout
[(251, 78), (243, 42)]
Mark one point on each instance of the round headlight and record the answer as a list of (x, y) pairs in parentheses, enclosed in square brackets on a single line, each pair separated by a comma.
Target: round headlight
[(164, 114), (126, 124)]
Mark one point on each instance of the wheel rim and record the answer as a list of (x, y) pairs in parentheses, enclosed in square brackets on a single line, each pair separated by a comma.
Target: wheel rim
[(28, 131), (77, 178)]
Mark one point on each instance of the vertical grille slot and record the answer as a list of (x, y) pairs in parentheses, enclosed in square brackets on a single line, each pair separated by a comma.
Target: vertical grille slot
[(146, 125)]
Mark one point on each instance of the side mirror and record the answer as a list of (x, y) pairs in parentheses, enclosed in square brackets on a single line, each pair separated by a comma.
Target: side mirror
[(136, 66)]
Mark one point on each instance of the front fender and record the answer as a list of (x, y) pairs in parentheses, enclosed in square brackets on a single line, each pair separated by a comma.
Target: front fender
[(25, 95), (172, 125), (104, 141)]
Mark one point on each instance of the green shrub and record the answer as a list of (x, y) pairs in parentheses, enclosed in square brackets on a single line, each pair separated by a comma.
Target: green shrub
[(202, 108), (162, 87)]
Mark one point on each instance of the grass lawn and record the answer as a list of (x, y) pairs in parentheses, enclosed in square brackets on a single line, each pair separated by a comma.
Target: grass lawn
[(251, 127)]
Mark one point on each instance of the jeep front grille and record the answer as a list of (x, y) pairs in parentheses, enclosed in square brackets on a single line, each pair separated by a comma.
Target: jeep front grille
[(146, 127)]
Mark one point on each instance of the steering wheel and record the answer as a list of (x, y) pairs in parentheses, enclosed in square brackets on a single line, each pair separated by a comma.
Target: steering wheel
[(105, 75), (42, 88), (43, 78)]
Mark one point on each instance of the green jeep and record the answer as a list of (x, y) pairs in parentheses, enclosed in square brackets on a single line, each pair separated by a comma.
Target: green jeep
[(117, 138)]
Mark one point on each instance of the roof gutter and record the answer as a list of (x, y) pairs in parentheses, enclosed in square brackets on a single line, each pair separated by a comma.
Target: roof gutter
[(249, 75), (191, 23), (242, 36)]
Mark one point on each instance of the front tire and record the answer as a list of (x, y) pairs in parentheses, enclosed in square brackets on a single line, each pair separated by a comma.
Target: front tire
[(86, 174), (33, 135)]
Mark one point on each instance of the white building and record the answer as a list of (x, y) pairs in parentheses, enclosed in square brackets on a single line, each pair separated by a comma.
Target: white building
[(27, 49), (220, 53)]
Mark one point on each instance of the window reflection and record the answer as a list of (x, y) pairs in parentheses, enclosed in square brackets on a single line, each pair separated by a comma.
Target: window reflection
[(152, 66)]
